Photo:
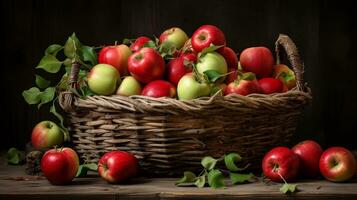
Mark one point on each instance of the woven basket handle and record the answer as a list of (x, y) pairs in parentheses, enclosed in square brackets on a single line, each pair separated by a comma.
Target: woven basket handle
[(293, 56), (66, 97)]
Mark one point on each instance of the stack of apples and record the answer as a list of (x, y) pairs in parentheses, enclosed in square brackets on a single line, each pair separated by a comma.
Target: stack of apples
[(186, 68)]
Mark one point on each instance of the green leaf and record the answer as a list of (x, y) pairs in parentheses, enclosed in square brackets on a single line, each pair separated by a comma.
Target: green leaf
[(208, 162), (206, 50), (53, 49), (187, 177), (230, 160), (32, 95), (89, 55), (212, 75), (150, 44), (248, 76), (83, 169), (70, 48), (14, 156), (240, 178), (201, 181), (47, 96), (127, 41), (55, 113), (41, 82), (50, 64), (91, 166), (86, 92), (288, 188), (216, 179)]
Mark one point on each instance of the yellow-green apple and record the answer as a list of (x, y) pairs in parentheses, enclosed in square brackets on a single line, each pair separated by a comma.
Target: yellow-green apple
[(139, 43), (212, 61), (118, 166), (103, 79), (285, 74), (337, 164), (246, 84), (230, 56), (206, 35), (174, 35), (159, 88), (177, 68), (116, 56), (46, 134), (309, 153), (146, 65), (258, 60), (280, 162), (129, 86), (271, 85), (60, 165), (190, 88)]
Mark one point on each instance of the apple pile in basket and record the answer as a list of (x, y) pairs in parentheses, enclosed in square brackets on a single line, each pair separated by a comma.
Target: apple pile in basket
[(187, 68)]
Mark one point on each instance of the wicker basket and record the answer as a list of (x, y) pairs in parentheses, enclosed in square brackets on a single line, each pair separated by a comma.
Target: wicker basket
[(169, 136)]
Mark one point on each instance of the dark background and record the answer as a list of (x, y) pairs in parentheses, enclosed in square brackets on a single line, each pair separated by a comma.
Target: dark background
[(324, 32)]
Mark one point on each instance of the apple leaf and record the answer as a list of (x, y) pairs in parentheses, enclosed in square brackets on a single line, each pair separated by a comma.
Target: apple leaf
[(41, 82), (71, 46), (215, 179), (230, 160), (188, 177), (53, 49), (55, 113), (83, 169), (206, 50), (50, 64), (15, 157), (150, 44), (89, 54), (127, 41), (240, 178), (201, 181), (288, 188), (32, 95), (212, 75), (208, 162), (248, 76), (47, 96)]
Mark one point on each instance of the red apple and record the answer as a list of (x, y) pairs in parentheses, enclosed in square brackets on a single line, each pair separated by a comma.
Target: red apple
[(116, 56), (309, 153), (206, 35), (146, 65), (337, 164), (230, 56), (283, 161), (191, 57), (258, 60), (46, 134), (139, 43), (176, 69), (159, 88), (232, 74), (174, 35), (118, 166), (60, 166), (247, 84), (271, 85), (285, 74)]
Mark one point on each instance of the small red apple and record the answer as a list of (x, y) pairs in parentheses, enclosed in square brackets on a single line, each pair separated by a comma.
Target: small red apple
[(206, 35), (116, 56), (176, 69), (146, 65), (271, 85), (258, 60), (280, 161), (230, 56), (159, 88), (118, 166), (337, 164), (247, 84), (309, 153), (139, 43), (60, 166)]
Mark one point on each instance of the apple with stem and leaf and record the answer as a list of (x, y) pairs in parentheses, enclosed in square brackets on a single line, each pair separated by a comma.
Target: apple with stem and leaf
[(207, 35), (212, 61), (285, 75), (191, 87), (244, 85), (139, 43)]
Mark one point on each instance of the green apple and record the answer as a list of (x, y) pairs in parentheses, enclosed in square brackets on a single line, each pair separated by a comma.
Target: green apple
[(174, 35), (212, 61), (46, 134), (190, 88), (129, 86), (103, 79)]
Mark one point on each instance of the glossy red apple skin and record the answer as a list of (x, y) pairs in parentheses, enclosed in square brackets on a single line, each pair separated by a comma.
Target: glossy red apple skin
[(146, 65), (206, 35), (192, 57), (309, 153), (60, 166), (118, 166), (247, 84), (230, 56), (271, 85), (159, 88), (258, 60), (282, 160), (139, 43), (176, 69), (116, 56), (337, 164)]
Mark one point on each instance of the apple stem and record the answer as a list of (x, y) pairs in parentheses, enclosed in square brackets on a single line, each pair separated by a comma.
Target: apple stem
[(115, 43), (277, 171)]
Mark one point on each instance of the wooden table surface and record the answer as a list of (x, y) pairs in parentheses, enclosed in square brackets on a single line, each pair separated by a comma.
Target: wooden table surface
[(14, 184)]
